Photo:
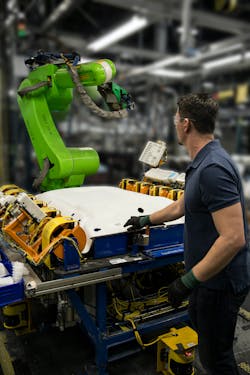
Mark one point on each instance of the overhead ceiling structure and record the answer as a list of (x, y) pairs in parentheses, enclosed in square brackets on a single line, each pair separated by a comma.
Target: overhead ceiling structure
[(161, 48), (171, 39)]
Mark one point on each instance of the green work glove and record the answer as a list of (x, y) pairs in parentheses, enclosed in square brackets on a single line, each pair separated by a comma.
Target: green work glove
[(137, 222), (181, 288)]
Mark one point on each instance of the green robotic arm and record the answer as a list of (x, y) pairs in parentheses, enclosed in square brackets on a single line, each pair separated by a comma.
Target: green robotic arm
[(49, 89)]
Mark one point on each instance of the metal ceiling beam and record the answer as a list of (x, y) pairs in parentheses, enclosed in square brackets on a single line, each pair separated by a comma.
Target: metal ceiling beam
[(202, 74), (227, 42), (135, 52), (171, 10), (146, 7), (185, 36), (213, 49), (217, 22), (59, 12), (78, 44), (161, 37), (180, 60)]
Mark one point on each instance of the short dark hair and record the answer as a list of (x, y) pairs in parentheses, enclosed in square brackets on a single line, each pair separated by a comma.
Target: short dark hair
[(201, 109)]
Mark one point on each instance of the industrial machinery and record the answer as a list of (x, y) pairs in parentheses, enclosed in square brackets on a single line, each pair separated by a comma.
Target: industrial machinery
[(156, 181), (48, 89), (175, 354), (81, 260), (66, 258)]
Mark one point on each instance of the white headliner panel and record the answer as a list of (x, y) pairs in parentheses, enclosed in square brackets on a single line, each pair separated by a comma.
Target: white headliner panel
[(103, 208)]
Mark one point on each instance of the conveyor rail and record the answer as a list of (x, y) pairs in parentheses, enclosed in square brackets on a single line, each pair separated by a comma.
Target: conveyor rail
[(52, 286)]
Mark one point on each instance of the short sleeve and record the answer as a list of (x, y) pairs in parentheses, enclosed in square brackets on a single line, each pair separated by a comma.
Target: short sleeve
[(219, 188)]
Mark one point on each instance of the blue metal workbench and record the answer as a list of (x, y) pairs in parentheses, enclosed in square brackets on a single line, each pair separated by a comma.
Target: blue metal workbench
[(165, 247)]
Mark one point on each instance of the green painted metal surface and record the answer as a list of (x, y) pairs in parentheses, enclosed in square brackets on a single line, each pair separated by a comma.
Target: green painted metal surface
[(68, 166)]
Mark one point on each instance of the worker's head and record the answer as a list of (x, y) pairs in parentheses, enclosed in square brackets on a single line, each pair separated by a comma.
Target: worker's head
[(201, 111)]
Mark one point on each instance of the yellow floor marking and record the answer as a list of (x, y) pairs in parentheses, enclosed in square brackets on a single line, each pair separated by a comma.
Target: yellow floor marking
[(244, 313), (245, 366)]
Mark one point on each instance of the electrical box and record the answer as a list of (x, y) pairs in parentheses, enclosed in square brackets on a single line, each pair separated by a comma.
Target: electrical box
[(175, 351), (153, 153)]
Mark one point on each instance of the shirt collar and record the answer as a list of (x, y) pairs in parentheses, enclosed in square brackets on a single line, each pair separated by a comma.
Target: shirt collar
[(202, 153)]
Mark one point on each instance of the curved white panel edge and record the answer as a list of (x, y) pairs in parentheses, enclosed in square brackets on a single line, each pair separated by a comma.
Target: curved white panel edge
[(103, 210)]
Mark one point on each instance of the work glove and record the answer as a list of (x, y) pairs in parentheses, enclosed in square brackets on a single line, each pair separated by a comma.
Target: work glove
[(137, 222), (181, 288), (177, 292)]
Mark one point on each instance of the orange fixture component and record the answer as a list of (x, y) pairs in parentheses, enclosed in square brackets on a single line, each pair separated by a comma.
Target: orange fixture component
[(37, 241)]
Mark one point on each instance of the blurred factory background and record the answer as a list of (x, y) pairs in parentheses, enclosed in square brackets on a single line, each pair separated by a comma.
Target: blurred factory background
[(161, 48)]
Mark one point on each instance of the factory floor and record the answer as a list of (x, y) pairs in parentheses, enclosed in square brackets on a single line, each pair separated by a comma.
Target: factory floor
[(53, 352)]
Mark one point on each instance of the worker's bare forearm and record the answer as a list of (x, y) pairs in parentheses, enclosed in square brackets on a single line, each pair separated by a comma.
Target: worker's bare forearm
[(169, 213), (229, 224), (217, 258)]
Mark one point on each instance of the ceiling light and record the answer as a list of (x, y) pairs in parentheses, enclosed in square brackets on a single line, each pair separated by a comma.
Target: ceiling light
[(134, 24), (169, 73)]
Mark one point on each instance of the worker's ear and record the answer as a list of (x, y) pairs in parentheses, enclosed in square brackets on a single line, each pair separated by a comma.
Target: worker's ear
[(186, 125)]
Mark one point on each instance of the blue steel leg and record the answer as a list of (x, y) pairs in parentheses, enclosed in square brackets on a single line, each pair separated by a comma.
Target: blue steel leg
[(84, 315), (96, 330), (101, 322)]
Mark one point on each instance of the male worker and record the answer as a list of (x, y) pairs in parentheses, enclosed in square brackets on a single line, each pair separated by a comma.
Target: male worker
[(216, 252)]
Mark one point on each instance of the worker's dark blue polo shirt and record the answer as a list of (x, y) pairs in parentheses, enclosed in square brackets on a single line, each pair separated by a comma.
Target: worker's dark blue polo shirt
[(213, 183)]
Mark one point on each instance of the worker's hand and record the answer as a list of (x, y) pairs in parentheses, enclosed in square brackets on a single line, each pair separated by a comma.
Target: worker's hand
[(180, 288), (177, 292), (137, 222)]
